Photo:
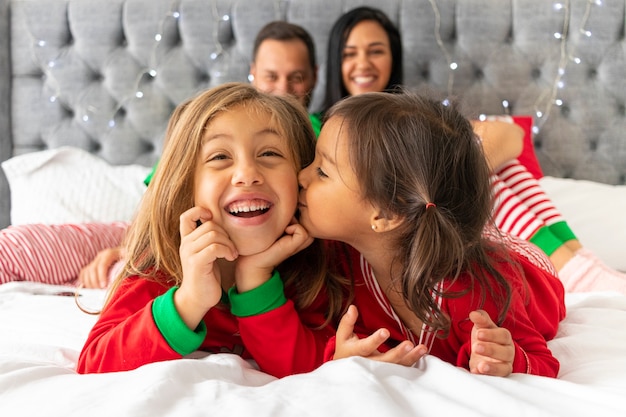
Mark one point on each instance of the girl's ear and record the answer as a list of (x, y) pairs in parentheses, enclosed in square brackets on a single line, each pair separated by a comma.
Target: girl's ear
[(385, 222)]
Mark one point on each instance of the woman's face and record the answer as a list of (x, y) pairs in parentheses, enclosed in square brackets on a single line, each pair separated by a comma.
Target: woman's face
[(367, 60), (246, 177), (331, 203)]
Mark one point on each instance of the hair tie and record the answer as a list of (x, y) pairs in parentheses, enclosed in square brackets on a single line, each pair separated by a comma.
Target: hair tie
[(429, 205)]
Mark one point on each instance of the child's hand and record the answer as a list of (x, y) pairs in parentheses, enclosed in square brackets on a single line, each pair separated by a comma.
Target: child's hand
[(200, 246), (492, 347), (96, 273), (349, 344), (254, 270)]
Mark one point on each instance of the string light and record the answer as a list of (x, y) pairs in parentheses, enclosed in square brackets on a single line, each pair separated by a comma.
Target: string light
[(566, 56), (549, 98), (451, 64), (51, 59)]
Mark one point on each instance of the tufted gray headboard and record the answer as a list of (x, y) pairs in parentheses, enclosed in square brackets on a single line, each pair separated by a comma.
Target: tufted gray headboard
[(105, 75)]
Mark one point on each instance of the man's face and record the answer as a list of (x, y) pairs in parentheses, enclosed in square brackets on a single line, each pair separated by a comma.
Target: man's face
[(283, 68)]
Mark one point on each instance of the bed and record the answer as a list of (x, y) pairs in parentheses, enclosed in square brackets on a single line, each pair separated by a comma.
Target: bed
[(86, 88)]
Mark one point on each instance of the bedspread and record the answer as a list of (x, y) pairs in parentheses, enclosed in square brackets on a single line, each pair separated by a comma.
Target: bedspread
[(37, 374)]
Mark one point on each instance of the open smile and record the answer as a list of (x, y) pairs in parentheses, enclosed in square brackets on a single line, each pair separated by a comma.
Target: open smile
[(249, 208)]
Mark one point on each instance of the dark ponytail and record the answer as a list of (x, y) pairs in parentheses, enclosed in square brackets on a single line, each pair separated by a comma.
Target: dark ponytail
[(410, 152)]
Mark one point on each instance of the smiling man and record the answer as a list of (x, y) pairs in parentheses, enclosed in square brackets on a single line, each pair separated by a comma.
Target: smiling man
[(284, 63)]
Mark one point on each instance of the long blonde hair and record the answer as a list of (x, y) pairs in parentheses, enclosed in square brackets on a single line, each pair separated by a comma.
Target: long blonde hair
[(153, 240)]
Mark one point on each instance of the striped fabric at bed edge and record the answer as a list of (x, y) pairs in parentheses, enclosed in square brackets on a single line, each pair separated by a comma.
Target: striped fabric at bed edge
[(54, 254)]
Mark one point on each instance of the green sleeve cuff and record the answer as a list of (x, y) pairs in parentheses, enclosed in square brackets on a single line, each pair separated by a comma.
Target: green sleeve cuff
[(316, 123), (147, 180), (180, 337), (264, 298)]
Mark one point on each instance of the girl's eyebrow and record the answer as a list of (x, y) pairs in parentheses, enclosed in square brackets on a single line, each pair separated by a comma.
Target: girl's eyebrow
[(219, 135), (378, 43), (268, 130), (327, 157)]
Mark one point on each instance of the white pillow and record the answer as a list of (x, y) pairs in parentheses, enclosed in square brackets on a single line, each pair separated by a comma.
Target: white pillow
[(595, 212), (70, 185)]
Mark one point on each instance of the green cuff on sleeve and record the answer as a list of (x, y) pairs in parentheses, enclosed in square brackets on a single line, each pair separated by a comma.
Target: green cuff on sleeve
[(316, 122), (562, 231), (180, 337), (546, 240), (264, 298), (147, 180)]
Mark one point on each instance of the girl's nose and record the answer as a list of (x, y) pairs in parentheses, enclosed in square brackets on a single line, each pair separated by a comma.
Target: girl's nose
[(247, 173), (303, 177)]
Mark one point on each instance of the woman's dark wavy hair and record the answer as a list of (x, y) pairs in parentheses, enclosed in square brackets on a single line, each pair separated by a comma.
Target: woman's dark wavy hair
[(335, 90), (409, 150)]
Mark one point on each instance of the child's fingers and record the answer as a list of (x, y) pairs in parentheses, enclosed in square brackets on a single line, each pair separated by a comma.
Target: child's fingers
[(499, 335), (481, 319), (348, 344), (224, 249), (345, 330), (369, 346), (208, 240), (295, 239), (404, 354), (494, 368), (298, 238), (190, 218), (495, 351)]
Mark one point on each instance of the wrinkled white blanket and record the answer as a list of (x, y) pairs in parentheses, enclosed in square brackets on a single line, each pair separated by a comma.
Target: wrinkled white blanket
[(41, 336)]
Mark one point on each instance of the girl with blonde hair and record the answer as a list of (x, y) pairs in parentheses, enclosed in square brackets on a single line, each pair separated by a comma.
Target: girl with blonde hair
[(216, 260)]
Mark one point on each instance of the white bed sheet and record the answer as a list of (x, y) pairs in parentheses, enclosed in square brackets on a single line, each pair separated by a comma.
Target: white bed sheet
[(596, 213), (41, 336)]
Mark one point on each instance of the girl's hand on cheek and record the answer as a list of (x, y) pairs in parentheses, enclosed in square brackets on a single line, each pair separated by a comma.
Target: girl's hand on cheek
[(254, 270), (202, 243)]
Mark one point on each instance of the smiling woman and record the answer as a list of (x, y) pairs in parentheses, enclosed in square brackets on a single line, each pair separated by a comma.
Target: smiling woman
[(210, 250), (364, 54), (367, 59)]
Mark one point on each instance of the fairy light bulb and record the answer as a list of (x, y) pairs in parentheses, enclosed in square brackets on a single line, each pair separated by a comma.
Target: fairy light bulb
[(50, 63)]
